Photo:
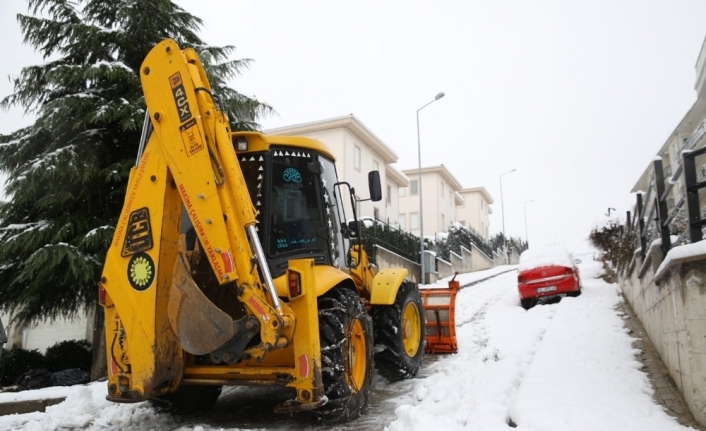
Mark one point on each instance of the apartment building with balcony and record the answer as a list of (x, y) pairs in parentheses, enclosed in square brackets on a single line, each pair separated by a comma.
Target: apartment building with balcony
[(689, 134)]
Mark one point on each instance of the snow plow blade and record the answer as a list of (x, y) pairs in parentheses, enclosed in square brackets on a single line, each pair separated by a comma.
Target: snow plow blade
[(440, 312)]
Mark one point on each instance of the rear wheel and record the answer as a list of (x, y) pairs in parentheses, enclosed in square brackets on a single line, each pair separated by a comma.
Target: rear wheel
[(401, 329), (346, 355), (188, 399), (576, 293), (528, 303)]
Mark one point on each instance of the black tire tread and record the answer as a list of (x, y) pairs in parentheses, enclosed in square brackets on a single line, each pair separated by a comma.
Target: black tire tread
[(392, 362), (336, 309)]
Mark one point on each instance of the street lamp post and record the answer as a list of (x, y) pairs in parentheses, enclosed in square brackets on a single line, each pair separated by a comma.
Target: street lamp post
[(419, 186), (526, 234), (502, 208)]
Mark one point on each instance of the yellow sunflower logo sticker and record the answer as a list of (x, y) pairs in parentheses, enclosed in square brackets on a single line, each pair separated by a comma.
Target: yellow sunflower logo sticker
[(140, 271)]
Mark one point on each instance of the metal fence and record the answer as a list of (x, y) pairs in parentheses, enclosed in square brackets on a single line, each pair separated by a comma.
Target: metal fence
[(658, 216)]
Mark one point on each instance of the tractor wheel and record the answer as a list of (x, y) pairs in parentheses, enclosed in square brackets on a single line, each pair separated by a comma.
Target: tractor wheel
[(346, 355), (188, 399), (401, 329)]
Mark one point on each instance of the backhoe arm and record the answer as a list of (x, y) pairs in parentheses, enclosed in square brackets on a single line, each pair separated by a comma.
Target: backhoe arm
[(189, 160)]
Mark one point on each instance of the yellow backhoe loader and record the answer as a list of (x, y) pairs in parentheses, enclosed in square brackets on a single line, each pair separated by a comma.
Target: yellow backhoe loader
[(233, 263)]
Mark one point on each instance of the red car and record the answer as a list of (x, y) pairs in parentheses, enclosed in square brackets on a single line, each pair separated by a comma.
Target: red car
[(545, 274)]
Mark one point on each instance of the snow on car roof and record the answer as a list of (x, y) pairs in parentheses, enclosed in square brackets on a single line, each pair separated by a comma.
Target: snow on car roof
[(538, 257)]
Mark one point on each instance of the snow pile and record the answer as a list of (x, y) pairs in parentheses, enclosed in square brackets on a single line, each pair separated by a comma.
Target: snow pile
[(538, 257)]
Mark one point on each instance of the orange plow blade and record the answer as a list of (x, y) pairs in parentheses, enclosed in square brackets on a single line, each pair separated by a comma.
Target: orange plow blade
[(440, 311)]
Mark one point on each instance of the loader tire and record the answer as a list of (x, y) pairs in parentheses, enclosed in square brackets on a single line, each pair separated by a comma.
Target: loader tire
[(188, 399), (400, 329), (345, 333)]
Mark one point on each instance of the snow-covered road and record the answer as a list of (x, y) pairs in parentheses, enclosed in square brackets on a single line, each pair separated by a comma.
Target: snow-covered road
[(568, 366)]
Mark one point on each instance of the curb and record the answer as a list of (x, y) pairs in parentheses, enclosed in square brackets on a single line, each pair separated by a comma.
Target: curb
[(28, 406)]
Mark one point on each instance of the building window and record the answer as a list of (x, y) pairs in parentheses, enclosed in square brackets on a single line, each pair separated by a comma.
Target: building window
[(413, 187), (389, 194), (402, 191), (414, 221), (403, 221), (356, 157), (376, 213), (442, 190), (450, 198), (443, 223), (376, 165)]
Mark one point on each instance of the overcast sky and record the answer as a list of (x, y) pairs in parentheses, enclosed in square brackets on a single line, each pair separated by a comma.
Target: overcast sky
[(578, 96)]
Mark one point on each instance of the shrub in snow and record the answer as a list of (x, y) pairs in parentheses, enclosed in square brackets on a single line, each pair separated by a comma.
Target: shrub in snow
[(16, 362), (69, 354)]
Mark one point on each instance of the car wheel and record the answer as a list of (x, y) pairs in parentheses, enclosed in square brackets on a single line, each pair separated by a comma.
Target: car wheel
[(528, 303), (575, 294)]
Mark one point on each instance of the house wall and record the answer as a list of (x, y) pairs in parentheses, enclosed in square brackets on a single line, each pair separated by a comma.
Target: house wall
[(47, 333), (474, 213), (438, 203)]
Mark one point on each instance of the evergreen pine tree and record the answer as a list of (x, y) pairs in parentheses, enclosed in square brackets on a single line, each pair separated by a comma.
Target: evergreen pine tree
[(68, 171)]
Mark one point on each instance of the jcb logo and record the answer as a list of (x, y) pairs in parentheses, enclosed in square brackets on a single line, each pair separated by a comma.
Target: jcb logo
[(182, 104), (139, 233)]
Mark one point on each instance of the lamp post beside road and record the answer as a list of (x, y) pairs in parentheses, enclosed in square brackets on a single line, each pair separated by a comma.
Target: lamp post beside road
[(419, 186)]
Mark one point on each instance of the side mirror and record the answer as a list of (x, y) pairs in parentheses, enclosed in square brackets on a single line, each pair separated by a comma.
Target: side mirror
[(577, 261), (374, 186)]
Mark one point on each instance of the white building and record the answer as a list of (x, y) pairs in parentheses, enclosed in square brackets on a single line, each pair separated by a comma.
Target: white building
[(440, 197), (474, 211)]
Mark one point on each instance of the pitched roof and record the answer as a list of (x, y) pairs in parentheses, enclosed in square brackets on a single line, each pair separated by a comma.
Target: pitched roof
[(480, 190), (441, 170)]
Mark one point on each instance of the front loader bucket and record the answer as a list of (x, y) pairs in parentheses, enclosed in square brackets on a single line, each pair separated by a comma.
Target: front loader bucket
[(440, 310)]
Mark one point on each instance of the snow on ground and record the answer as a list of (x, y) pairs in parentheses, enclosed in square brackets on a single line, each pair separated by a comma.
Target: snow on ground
[(567, 366)]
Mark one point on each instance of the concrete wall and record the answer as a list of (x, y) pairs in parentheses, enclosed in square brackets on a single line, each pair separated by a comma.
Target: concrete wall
[(672, 308), (456, 264), (444, 268), (385, 258), (480, 260), (502, 259)]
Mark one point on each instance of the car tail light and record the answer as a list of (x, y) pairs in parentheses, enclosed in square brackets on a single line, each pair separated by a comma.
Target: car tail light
[(520, 278), (569, 271), (295, 284)]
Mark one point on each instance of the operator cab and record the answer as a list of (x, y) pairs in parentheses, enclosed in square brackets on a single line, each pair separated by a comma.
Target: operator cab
[(297, 197)]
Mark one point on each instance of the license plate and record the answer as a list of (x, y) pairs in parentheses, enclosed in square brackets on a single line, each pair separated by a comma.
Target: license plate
[(546, 289)]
